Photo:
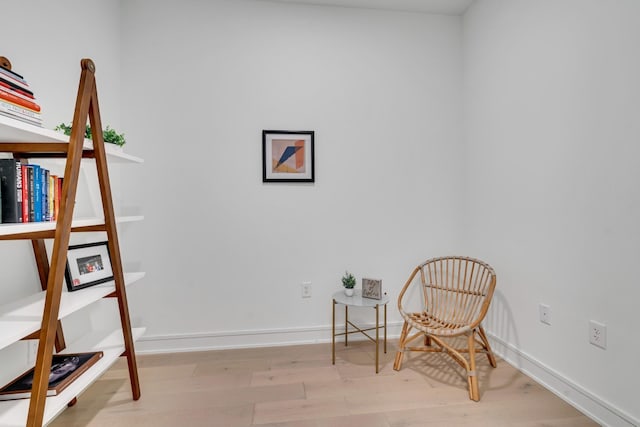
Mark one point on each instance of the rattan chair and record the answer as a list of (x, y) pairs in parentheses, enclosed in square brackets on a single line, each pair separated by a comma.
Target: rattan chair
[(450, 296)]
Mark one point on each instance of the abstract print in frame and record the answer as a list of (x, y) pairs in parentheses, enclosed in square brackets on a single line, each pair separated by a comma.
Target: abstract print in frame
[(287, 156)]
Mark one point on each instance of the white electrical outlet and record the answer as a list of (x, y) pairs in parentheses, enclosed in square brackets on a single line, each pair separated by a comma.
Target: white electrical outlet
[(306, 289), (598, 334), (545, 314)]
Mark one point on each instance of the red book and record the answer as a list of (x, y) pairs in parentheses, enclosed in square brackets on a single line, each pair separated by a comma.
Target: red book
[(21, 92), (17, 93), (25, 194), (19, 101)]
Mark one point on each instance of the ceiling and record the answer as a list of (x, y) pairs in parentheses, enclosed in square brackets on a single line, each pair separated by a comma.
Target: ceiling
[(445, 7)]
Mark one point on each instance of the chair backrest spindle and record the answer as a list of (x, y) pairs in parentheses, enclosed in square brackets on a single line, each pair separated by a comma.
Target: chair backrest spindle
[(456, 290)]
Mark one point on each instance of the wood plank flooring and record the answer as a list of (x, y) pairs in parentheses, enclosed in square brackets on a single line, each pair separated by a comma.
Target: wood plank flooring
[(297, 386)]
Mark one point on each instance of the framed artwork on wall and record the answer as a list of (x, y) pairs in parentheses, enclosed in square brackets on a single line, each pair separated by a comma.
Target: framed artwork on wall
[(287, 156), (88, 264)]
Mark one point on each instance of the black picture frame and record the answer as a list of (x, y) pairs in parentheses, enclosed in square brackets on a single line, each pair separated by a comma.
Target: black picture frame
[(288, 156), (88, 264)]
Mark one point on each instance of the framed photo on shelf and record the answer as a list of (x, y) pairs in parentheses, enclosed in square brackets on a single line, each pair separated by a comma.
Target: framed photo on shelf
[(88, 264), (372, 288), (287, 156)]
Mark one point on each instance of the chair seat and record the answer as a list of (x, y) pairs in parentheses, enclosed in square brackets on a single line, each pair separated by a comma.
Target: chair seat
[(429, 324)]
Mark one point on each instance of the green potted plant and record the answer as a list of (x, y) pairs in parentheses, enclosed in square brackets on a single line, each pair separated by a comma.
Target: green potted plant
[(349, 282), (109, 135)]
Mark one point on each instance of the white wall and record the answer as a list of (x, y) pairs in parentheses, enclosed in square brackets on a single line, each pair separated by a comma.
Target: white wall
[(552, 98), (226, 254), (544, 181)]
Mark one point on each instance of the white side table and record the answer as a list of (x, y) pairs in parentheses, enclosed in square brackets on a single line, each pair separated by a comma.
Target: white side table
[(357, 301)]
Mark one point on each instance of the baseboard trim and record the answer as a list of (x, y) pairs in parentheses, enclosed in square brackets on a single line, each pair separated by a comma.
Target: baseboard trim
[(586, 402), (154, 344)]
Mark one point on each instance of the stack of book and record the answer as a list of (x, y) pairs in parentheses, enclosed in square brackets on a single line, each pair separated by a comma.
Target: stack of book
[(16, 99), (28, 192)]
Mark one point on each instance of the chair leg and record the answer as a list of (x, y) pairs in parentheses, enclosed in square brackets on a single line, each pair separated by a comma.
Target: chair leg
[(472, 375), (397, 364), (485, 341), (427, 340)]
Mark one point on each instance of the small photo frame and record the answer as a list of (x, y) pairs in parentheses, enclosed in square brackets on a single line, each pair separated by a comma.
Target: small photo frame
[(372, 288), (88, 264), (287, 156)]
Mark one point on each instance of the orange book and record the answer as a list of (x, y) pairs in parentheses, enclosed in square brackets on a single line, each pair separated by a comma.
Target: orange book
[(8, 96)]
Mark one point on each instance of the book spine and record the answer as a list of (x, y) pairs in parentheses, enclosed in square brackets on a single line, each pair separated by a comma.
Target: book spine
[(56, 206), (32, 193), (50, 196), (44, 188), (17, 90), (11, 190), (12, 74), (14, 82), (15, 99), (37, 189), (17, 93), (25, 194), (16, 86), (18, 191), (11, 107), (25, 119)]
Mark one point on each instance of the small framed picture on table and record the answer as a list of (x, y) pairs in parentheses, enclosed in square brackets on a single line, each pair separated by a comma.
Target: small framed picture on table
[(372, 288)]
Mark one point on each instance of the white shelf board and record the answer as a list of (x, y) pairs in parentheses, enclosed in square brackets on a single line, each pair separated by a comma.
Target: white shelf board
[(111, 343), (12, 130), (23, 317), (29, 227)]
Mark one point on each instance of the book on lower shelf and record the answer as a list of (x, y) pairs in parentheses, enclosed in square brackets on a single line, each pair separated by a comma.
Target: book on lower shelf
[(65, 368)]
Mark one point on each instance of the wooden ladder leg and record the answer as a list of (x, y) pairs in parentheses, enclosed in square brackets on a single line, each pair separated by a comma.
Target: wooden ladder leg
[(397, 363), (55, 277), (114, 245), (42, 261)]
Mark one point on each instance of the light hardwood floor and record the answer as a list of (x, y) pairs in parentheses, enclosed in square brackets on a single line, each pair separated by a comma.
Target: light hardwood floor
[(298, 386)]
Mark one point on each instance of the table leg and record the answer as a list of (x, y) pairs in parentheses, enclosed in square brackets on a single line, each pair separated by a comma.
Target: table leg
[(346, 320), (377, 335), (385, 328), (333, 334)]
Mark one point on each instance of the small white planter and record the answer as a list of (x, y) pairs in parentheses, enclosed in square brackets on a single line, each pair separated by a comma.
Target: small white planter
[(348, 292)]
